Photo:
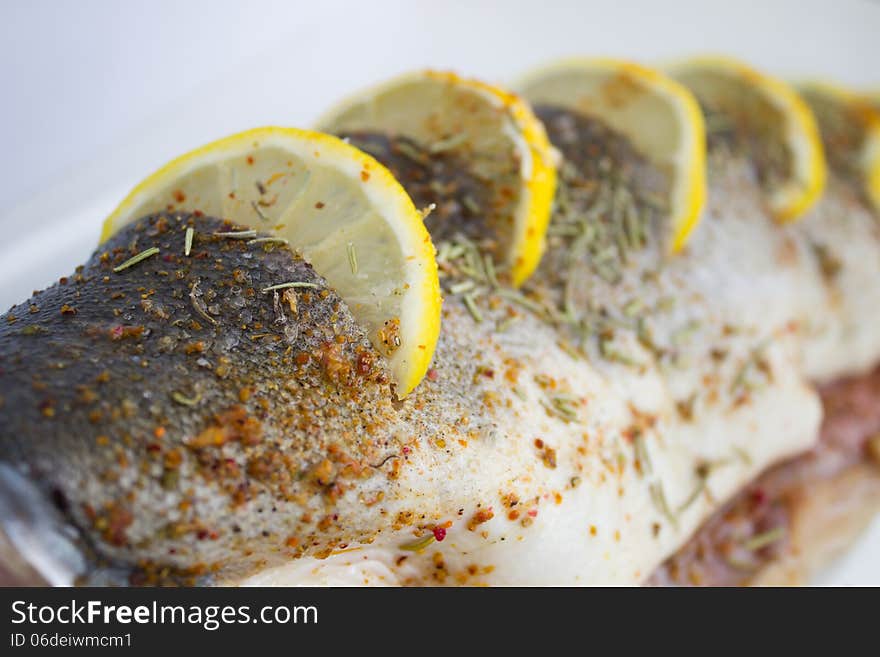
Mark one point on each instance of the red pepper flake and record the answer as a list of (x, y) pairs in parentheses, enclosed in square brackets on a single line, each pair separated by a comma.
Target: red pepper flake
[(439, 533), (319, 205), (250, 159), (433, 375), (759, 496), (365, 175), (179, 196)]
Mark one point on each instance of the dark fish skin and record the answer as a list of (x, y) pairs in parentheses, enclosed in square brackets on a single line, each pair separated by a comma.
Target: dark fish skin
[(178, 417), (460, 198)]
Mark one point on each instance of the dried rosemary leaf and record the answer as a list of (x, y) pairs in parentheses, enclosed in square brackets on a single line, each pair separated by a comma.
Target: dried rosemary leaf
[(352, 259), (282, 286), (143, 255), (419, 544), (188, 240), (180, 398), (238, 234), (764, 539)]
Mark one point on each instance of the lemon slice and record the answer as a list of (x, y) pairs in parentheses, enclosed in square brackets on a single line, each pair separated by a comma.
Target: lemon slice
[(850, 127), (780, 130), (342, 210), (659, 117), (492, 133)]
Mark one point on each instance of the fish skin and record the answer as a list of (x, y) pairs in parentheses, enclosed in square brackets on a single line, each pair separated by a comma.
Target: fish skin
[(462, 202), (92, 371)]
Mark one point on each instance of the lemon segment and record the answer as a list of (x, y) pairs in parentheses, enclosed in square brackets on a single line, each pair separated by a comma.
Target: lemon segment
[(850, 128), (772, 112), (492, 131), (328, 200), (659, 116)]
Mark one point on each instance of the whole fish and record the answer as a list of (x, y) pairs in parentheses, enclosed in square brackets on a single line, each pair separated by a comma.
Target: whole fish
[(220, 417)]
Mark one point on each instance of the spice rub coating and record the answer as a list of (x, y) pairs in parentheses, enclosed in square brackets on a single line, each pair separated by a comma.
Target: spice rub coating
[(178, 411)]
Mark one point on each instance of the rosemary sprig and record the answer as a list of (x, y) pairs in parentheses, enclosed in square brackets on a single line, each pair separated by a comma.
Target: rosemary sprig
[(608, 351), (409, 151), (447, 144), (764, 539), (180, 398), (464, 286), (143, 255), (506, 323), (282, 286), (742, 455), (522, 300), (753, 361), (659, 499), (471, 305), (419, 544), (269, 240), (238, 234), (352, 259), (471, 205), (561, 406), (188, 240), (197, 304), (699, 488), (683, 334), (641, 451), (259, 211)]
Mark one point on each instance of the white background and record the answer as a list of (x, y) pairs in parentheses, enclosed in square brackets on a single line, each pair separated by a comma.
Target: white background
[(95, 94)]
